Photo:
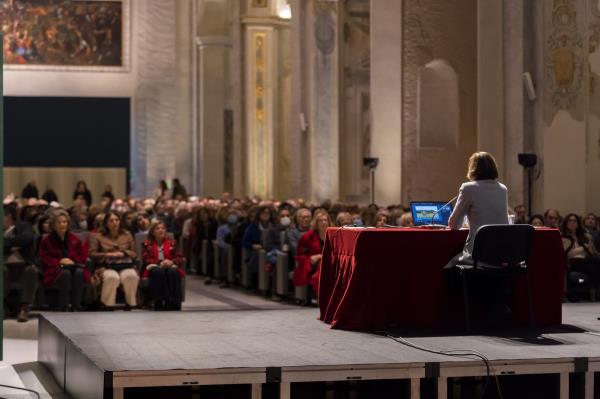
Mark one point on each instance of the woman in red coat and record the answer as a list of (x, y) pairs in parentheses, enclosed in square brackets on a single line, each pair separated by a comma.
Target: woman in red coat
[(162, 264), (63, 258), (309, 253)]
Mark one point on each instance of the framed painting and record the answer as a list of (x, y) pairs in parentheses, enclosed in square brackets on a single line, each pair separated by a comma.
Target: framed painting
[(87, 35)]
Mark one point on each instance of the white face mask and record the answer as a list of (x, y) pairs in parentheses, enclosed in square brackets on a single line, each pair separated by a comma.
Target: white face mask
[(83, 225), (285, 221)]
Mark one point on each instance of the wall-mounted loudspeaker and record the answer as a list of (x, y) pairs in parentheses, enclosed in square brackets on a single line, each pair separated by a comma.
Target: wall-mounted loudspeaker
[(529, 87)]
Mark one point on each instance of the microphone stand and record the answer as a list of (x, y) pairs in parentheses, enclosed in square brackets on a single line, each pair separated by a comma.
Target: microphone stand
[(439, 209)]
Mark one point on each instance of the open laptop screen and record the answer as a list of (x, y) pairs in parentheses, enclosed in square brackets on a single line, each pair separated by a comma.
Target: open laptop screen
[(424, 213)]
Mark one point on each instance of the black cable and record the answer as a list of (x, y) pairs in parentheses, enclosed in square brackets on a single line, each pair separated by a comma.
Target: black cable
[(20, 389), (455, 353)]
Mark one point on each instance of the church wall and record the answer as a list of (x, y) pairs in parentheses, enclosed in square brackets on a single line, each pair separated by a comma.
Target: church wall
[(438, 29)]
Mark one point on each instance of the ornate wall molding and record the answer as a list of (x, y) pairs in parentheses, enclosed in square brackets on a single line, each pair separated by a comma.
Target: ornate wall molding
[(564, 60), (261, 70)]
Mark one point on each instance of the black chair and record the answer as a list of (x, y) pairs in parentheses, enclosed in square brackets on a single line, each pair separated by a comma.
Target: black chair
[(499, 251)]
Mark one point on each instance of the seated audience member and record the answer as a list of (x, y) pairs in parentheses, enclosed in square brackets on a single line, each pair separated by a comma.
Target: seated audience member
[(368, 215), (50, 196), (273, 242), (203, 227), (590, 223), (537, 221), (78, 220), (224, 231), (582, 256), (113, 252), (82, 190), (253, 237), (63, 258), (42, 228), (98, 221), (310, 249), (30, 190), (127, 221), (108, 193), (381, 220), (163, 265), (142, 222), (303, 221), (19, 260), (106, 203), (406, 220), (343, 219), (552, 218), (520, 214)]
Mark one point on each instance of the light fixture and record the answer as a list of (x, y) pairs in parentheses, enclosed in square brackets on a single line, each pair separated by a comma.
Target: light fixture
[(284, 11)]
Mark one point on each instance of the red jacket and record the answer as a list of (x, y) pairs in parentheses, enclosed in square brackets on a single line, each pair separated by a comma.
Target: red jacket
[(308, 245), (51, 254), (150, 255)]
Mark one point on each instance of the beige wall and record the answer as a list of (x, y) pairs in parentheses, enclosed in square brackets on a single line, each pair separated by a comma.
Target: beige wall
[(64, 180)]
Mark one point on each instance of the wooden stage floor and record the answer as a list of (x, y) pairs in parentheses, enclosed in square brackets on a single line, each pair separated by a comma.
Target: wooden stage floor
[(114, 351)]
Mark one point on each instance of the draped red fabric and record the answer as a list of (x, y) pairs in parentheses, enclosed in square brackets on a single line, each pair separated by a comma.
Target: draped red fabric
[(378, 278)]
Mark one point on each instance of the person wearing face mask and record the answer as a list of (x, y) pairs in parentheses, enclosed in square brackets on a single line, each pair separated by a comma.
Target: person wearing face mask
[(277, 240)]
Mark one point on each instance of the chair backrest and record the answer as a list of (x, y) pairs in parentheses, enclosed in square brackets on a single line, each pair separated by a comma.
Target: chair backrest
[(502, 245)]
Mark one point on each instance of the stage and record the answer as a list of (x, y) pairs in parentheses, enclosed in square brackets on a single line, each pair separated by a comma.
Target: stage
[(103, 355)]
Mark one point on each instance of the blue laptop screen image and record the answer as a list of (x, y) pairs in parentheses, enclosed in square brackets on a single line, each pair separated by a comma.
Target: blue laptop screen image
[(424, 213)]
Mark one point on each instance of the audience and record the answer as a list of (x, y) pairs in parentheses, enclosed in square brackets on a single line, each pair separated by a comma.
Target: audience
[(250, 223), (582, 255)]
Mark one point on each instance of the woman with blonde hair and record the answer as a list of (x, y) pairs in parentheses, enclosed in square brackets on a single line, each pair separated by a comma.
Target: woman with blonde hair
[(310, 249), (162, 264), (63, 258)]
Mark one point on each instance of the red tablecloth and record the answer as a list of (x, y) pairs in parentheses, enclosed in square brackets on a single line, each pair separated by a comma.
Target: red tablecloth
[(377, 278)]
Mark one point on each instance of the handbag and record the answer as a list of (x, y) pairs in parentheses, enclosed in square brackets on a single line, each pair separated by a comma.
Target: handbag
[(119, 264)]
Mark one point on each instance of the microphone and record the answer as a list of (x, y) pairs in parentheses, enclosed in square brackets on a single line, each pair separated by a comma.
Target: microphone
[(439, 209)]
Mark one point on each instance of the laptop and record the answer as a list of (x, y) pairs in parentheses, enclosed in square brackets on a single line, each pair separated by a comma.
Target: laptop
[(430, 213)]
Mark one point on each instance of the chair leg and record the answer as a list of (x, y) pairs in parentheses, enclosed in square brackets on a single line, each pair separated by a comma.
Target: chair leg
[(531, 317), (466, 300)]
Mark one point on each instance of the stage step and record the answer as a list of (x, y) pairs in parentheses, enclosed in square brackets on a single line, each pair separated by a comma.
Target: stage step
[(35, 376), (9, 376)]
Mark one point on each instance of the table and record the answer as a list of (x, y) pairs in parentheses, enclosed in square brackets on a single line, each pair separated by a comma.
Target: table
[(378, 278)]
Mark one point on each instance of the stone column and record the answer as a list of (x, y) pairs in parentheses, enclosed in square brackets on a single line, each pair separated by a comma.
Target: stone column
[(299, 137), (490, 80), (323, 102), (154, 109), (514, 102), (266, 101), (213, 45), (386, 98)]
